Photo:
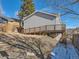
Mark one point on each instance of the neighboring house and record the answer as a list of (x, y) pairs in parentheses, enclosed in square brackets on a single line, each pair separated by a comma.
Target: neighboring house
[(76, 31), (8, 24), (41, 22), (69, 33)]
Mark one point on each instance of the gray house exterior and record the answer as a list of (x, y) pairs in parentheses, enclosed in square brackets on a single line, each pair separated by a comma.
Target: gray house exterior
[(41, 22)]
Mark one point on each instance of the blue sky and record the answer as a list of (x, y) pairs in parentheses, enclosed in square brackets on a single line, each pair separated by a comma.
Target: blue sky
[(10, 8)]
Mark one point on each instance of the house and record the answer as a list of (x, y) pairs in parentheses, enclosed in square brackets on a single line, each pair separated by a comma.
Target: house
[(69, 33), (8, 24), (42, 22)]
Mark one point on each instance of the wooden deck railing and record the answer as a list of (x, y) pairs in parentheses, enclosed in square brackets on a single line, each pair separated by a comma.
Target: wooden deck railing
[(58, 27)]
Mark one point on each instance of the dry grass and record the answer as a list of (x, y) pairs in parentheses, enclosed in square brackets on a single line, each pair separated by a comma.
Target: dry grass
[(38, 44)]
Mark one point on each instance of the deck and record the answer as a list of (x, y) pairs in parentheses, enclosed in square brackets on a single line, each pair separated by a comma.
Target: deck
[(46, 28)]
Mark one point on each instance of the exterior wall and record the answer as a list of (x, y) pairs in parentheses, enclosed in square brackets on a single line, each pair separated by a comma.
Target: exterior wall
[(36, 21), (58, 21), (39, 23)]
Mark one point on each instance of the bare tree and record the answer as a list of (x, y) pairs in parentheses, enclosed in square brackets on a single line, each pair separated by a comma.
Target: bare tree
[(65, 6)]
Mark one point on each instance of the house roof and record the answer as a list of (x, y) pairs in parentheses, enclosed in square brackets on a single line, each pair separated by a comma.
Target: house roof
[(4, 18), (40, 14)]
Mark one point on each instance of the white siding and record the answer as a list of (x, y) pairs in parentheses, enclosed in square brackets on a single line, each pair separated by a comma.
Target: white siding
[(36, 21), (58, 21)]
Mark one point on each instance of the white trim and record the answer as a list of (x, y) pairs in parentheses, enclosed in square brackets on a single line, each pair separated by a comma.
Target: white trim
[(40, 12)]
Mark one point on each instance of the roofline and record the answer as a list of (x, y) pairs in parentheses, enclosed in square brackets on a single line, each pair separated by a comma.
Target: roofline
[(5, 18), (28, 16), (40, 12)]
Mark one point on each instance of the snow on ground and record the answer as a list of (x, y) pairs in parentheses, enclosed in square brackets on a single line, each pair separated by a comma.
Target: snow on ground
[(62, 51)]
